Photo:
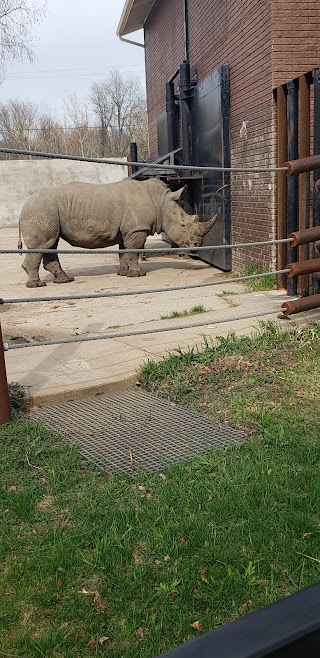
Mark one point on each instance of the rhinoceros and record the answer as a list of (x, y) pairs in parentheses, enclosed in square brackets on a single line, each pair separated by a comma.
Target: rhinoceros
[(94, 216)]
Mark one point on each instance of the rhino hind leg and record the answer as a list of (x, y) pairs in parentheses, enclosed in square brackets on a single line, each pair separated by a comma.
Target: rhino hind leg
[(51, 263), (31, 265)]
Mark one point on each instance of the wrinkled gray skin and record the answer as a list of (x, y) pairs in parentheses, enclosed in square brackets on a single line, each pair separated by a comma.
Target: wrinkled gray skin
[(95, 216)]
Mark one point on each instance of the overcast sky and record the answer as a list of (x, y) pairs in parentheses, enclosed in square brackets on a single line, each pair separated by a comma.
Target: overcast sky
[(75, 45)]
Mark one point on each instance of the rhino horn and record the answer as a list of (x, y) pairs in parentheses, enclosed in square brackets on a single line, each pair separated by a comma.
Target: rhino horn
[(175, 196), (205, 227)]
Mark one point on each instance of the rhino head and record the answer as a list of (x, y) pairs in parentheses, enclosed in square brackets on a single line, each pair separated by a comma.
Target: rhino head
[(183, 229)]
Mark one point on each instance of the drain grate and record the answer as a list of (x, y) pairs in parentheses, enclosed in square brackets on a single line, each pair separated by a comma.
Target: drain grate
[(157, 432)]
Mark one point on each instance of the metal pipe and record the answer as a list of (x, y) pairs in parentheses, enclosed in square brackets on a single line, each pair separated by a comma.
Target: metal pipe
[(132, 43), (304, 267), (5, 414), (292, 202), (305, 236), (282, 184), (186, 30), (304, 179), (299, 305), (133, 157), (316, 173), (184, 97), (298, 166)]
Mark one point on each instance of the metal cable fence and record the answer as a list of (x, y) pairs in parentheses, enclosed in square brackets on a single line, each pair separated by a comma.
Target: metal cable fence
[(144, 291), (158, 167), (151, 165), (159, 250), (142, 332)]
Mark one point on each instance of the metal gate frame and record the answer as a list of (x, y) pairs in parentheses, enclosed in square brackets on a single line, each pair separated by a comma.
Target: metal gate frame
[(295, 117)]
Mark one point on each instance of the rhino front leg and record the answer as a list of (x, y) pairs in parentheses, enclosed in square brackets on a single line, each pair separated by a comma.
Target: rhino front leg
[(31, 265), (133, 265), (51, 263), (135, 241)]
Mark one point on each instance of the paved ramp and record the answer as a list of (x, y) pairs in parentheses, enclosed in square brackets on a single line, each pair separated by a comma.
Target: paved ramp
[(114, 430)]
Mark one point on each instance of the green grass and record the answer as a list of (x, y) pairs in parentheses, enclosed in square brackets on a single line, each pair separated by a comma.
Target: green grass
[(265, 283), (139, 559), (182, 314)]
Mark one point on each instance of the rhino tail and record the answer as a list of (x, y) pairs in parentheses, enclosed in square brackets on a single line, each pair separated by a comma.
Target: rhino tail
[(20, 237)]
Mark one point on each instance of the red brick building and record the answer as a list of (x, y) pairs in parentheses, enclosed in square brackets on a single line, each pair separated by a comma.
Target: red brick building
[(264, 44)]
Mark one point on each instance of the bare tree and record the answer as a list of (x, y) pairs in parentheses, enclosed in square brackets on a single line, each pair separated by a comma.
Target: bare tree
[(140, 134), (16, 19), (23, 125), (50, 135), (18, 123), (81, 138), (119, 104), (102, 108)]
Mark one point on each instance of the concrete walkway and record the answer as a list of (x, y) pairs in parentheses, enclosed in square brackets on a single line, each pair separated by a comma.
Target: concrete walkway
[(66, 372)]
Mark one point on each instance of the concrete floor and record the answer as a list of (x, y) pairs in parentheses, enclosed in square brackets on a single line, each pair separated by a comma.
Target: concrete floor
[(65, 372)]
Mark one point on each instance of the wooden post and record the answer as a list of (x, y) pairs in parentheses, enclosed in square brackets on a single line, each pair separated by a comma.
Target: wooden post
[(5, 414)]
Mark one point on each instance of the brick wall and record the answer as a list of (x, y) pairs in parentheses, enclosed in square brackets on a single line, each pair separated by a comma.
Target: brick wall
[(295, 38), (238, 33), (165, 50), (264, 43)]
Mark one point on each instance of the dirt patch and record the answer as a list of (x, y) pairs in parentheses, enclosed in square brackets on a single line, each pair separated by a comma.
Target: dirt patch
[(227, 364)]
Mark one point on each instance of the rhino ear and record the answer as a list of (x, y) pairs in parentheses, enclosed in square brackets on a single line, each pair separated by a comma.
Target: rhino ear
[(175, 196)]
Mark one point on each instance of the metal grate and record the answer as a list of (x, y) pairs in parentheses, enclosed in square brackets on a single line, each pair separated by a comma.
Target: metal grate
[(108, 428)]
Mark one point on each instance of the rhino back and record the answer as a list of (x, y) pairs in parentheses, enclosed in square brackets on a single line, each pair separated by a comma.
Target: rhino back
[(93, 215)]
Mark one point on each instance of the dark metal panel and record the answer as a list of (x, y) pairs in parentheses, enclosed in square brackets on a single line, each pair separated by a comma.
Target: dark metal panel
[(210, 147), (289, 628), (292, 203), (171, 110), (162, 131), (316, 173), (304, 179), (282, 184)]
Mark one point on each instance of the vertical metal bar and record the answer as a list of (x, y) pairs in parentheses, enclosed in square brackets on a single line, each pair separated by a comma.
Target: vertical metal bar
[(5, 415), (132, 157), (304, 179), (292, 198), (184, 97), (186, 29), (282, 184), (316, 173)]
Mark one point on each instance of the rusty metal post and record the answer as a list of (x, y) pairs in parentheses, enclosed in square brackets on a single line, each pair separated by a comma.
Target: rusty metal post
[(304, 179), (292, 204), (305, 236), (299, 305), (298, 166), (304, 267), (316, 173), (282, 184), (5, 414)]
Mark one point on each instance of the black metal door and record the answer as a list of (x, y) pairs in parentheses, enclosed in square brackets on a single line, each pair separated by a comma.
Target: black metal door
[(211, 147)]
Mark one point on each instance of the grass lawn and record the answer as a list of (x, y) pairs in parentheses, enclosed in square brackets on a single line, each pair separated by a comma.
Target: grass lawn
[(131, 566)]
